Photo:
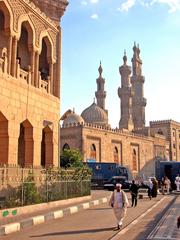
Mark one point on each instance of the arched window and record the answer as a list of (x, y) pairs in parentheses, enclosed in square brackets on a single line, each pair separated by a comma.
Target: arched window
[(134, 160), (116, 156), (24, 47), (93, 152), (4, 139), (66, 146), (160, 132), (44, 59), (4, 20)]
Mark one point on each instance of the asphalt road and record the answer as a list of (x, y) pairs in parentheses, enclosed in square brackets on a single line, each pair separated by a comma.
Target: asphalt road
[(92, 224)]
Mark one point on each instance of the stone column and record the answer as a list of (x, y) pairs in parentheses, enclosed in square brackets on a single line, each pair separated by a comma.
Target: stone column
[(14, 56), (51, 74), (36, 70), (13, 132), (9, 53), (58, 65), (37, 139), (32, 67)]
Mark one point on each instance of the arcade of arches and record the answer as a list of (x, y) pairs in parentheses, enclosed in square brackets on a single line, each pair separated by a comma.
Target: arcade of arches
[(30, 57)]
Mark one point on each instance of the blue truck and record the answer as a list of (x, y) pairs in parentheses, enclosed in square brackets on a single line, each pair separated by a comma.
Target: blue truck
[(104, 171), (168, 168)]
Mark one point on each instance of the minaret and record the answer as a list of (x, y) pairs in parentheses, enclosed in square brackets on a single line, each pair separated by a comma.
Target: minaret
[(100, 93), (125, 93), (137, 81)]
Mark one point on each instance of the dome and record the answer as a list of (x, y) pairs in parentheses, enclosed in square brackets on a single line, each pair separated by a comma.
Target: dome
[(96, 115), (73, 118)]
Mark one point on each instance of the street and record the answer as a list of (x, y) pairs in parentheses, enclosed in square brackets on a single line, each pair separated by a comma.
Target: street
[(97, 223)]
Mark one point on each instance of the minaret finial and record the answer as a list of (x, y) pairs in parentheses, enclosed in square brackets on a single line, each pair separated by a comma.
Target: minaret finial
[(100, 69), (94, 100), (134, 47), (125, 57), (73, 110)]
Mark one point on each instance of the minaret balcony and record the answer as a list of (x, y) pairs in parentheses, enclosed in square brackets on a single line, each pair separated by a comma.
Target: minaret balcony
[(125, 91), (144, 102), (100, 94), (137, 78)]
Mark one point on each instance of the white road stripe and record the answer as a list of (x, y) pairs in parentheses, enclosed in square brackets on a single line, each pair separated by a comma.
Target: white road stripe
[(38, 220), (10, 228), (58, 214), (73, 209)]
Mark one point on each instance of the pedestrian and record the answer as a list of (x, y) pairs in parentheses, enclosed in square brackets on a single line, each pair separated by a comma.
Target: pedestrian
[(119, 203), (167, 184), (163, 185), (154, 188), (150, 187), (134, 193), (177, 182)]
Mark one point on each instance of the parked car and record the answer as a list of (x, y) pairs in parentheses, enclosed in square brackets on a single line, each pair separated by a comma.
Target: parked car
[(111, 183)]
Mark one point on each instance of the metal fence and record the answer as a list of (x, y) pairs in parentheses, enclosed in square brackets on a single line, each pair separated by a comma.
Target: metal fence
[(24, 186)]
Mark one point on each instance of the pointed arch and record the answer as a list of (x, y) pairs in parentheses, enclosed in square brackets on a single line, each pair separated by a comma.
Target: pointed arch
[(25, 21), (26, 43), (116, 155), (134, 160), (93, 151), (25, 144), (6, 9), (45, 35), (66, 146), (4, 139)]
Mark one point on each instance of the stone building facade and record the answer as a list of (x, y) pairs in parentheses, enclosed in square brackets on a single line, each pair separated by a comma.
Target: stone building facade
[(171, 130), (30, 60), (132, 144)]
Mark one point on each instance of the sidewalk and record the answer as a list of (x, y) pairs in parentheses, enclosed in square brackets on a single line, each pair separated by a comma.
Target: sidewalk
[(167, 227), (16, 223)]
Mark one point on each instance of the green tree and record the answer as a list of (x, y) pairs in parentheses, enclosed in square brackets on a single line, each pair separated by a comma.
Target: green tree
[(71, 159)]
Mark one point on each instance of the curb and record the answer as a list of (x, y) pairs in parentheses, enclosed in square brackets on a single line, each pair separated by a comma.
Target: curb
[(17, 226)]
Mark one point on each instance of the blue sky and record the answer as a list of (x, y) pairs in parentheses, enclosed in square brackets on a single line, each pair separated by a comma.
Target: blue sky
[(95, 30)]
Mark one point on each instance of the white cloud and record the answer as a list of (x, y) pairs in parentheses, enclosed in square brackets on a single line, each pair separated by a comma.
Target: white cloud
[(94, 16), (174, 5), (83, 3), (94, 1)]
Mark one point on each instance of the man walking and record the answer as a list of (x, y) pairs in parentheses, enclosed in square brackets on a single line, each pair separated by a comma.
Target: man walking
[(134, 193), (119, 203)]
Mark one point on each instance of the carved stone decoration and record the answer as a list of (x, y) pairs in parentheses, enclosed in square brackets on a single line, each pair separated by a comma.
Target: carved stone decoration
[(53, 36), (17, 11)]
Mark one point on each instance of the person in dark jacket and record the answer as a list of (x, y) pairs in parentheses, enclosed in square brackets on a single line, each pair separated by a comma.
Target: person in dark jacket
[(134, 193)]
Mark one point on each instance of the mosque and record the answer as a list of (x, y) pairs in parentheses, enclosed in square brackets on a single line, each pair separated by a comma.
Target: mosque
[(133, 144), (30, 72)]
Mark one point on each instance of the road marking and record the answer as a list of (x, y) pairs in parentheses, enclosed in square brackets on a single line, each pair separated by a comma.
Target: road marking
[(58, 214), (124, 230), (96, 202), (73, 209), (10, 228), (104, 200), (85, 205), (38, 220)]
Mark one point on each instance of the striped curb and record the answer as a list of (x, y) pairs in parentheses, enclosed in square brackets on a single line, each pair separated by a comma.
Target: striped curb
[(15, 227)]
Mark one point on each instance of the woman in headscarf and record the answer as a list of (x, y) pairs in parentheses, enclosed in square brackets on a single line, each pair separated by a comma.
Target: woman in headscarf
[(119, 203)]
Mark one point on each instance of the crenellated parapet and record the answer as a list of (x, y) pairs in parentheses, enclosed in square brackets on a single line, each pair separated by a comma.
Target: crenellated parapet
[(124, 132)]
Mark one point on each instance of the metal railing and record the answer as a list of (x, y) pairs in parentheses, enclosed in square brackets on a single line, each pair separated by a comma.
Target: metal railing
[(24, 186)]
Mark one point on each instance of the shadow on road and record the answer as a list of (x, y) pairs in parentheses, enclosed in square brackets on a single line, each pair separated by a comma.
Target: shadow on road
[(74, 232)]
